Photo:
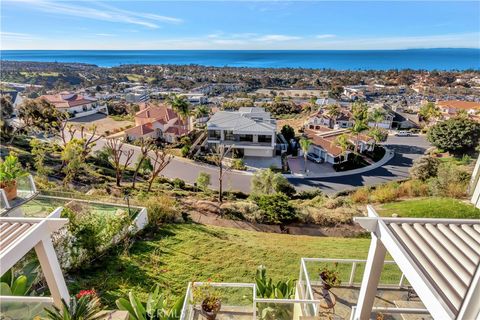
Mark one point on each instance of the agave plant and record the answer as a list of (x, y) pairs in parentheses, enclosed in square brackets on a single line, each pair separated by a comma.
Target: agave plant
[(280, 290), (156, 307), (10, 285), (86, 308)]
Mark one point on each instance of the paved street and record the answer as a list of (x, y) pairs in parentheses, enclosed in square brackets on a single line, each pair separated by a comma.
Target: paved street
[(406, 150)]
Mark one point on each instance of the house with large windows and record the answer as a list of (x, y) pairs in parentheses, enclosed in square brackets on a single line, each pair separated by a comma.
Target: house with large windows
[(76, 105), (250, 131)]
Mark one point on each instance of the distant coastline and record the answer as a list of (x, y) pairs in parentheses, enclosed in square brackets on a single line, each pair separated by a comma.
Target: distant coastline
[(425, 59)]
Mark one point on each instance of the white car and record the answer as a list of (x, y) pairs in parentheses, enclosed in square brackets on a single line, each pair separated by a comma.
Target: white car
[(403, 134)]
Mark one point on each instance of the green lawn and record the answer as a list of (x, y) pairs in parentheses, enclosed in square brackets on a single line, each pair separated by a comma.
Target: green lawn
[(430, 208), (177, 254)]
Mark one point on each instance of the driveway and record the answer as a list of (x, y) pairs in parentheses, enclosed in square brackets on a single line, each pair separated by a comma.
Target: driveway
[(297, 165), (406, 150)]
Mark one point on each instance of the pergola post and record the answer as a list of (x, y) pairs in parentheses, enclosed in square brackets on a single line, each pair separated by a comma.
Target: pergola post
[(371, 278), (52, 271)]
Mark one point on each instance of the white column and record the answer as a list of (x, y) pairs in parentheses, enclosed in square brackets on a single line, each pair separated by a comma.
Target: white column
[(52, 272), (371, 278)]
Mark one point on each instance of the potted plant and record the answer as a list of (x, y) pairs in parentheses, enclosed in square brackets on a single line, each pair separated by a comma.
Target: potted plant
[(85, 305), (209, 299), (330, 278), (10, 170)]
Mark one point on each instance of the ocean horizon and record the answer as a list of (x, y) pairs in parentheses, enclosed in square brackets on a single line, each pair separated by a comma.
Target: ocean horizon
[(417, 59)]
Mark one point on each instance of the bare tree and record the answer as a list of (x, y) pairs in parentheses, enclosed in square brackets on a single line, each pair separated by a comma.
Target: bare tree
[(146, 145), (160, 159), (89, 138), (120, 158), (218, 155)]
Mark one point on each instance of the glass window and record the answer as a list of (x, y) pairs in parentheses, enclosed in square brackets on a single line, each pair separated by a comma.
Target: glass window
[(214, 134), (229, 135), (246, 137), (264, 138)]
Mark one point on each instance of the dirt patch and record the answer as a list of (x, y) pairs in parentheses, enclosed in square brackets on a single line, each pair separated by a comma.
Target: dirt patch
[(105, 125), (341, 230)]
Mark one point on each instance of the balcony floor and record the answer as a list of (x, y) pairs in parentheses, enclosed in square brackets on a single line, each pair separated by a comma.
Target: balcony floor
[(347, 298)]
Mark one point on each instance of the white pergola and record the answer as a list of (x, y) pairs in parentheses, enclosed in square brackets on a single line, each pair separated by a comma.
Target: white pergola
[(439, 257), (18, 235)]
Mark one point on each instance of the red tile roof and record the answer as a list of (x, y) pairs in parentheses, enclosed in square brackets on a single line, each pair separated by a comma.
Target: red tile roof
[(67, 100), (140, 130)]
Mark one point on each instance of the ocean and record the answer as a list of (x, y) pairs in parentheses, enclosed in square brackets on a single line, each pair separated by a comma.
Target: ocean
[(426, 59)]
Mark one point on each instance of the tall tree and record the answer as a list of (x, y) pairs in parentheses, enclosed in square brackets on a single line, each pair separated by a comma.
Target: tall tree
[(88, 136), (120, 158), (360, 118), (377, 116), (218, 155), (333, 111), (378, 135), (456, 135), (201, 111), (343, 143), (146, 145), (305, 146), (429, 111), (181, 105), (160, 159), (40, 115), (71, 156), (6, 108)]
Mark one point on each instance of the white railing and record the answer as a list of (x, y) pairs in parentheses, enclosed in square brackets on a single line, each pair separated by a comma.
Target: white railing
[(352, 274), (189, 305)]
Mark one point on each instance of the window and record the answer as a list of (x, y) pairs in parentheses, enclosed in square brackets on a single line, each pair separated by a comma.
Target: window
[(246, 137), (228, 135), (214, 134), (264, 138)]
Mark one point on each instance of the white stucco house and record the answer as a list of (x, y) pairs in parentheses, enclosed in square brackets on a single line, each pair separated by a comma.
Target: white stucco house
[(75, 105), (251, 131)]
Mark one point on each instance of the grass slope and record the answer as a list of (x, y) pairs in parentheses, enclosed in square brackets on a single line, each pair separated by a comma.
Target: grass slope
[(177, 254), (431, 208)]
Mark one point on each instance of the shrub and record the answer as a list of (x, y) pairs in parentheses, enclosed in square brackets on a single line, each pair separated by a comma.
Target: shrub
[(424, 168), (275, 208), (413, 188), (184, 150), (178, 183), (267, 182), (161, 209), (335, 203), (385, 193), (361, 195), (238, 164), (328, 218), (203, 181), (309, 194), (243, 210), (451, 181)]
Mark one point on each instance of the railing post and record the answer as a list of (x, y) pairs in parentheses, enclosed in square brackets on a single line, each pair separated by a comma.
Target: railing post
[(352, 273), (32, 182), (402, 279), (4, 198), (254, 301)]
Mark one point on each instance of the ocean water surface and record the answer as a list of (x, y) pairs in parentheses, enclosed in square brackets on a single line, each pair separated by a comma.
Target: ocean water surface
[(427, 59)]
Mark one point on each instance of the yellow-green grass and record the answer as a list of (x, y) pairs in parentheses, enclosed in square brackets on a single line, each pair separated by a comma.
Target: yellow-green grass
[(178, 254), (39, 74), (433, 207)]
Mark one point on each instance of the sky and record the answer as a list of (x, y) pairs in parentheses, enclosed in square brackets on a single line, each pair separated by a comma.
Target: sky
[(238, 25)]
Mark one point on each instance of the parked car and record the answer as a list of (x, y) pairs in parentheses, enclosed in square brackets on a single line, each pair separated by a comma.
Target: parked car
[(403, 134), (314, 157)]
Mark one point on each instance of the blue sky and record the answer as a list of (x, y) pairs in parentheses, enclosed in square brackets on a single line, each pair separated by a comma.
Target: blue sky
[(48, 24)]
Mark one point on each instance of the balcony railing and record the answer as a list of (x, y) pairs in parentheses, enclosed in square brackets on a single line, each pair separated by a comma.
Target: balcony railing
[(239, 301), (26, 190), (19, 307)]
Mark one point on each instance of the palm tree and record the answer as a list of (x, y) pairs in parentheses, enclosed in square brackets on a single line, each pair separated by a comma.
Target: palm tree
[(378, 135), (305, 145), (357, 128), (342, 142), (333, 111), (377, 116), (201, 111), (429, 111), (180, 105)]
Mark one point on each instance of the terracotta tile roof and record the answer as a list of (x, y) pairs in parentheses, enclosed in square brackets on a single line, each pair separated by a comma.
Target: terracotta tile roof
[(457, 104), (160, 113), (67, 100), (328, 145), (140, 130)]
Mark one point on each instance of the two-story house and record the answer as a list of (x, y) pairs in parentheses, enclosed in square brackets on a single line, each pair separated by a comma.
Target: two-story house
[(251, 131), (75, 105)]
